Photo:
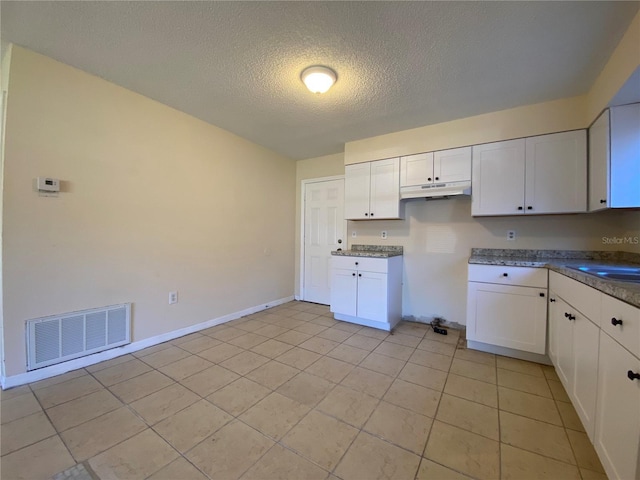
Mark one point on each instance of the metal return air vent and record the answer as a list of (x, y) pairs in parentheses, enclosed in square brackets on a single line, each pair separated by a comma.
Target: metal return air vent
[(59, 338)]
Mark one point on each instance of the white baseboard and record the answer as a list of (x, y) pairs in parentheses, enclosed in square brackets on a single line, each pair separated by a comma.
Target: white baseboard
[(53, 370)]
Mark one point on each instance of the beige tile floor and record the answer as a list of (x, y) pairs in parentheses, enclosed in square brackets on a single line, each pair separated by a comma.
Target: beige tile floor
[(290, 393)]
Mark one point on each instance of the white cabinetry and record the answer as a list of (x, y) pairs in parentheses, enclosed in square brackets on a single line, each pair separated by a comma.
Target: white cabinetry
[(575, 337), (507, 308), (618, 419), (617, 438), (372, 190), (594, 343), (614, 159), (534, 175), (367, 291), (444, 166)]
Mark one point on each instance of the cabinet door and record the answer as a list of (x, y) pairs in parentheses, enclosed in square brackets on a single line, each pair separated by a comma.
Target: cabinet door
[(617, 438), (507, 316), (625, 156), (452, 165), (563, 334), (356, 191), (556, 173), (599, 163), (498, 178), (416, 169), (385, 189), (372, 296), (585, 371), (344, 285)]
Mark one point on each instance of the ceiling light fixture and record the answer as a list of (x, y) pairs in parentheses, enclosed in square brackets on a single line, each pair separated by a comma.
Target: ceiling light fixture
[(318, 79)]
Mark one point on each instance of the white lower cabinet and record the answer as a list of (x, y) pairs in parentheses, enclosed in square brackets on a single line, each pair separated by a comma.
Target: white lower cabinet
[(507, 308), (597, 360), (574, 339), (367, 291), (617, 438)]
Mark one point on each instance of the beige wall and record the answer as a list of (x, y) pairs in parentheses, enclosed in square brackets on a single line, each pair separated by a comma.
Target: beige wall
[(621, 65), (327, 166), (152, 200)]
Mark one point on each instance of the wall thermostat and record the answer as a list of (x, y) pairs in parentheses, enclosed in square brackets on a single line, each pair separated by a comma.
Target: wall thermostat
[(46, 184)]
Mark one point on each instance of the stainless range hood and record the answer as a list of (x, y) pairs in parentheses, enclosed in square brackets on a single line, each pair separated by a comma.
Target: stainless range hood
[(436, 190)]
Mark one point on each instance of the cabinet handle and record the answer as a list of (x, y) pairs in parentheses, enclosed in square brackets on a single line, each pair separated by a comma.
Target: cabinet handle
[(505, 274), (552, 299), (339, 240), (353, 274), (359, 274), (603, 201), (437, 178), (566, 315), (541, 294), (633, 376), (529, 207), (429, 178), (372, 214), (569, 316), (519, 208), (356, 263), (615, 321), (366, 214)]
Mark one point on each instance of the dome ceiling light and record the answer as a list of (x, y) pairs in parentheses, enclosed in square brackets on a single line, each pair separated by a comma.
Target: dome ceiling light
[(318, 79)]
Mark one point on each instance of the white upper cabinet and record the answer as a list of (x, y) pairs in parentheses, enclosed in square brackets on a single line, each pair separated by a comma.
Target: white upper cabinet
[(452, 165), (498, 178), (416, 169), (556, 173), (614, 159), (372, 190), (444, 166), (536, 175), (357, 186)]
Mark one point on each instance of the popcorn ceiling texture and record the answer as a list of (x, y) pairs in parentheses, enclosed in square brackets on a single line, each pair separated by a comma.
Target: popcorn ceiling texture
[(400, 65)]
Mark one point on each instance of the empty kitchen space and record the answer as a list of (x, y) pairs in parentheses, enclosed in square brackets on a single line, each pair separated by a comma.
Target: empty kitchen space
[(320, 240)]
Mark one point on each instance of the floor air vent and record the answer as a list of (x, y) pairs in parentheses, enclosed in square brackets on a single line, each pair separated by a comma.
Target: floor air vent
[(52, 340)]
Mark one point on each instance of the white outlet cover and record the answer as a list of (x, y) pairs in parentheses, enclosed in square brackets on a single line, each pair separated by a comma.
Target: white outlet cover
[(383, 234), (511, 235)]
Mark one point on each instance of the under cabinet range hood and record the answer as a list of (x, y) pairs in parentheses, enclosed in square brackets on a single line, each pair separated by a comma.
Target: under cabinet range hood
[(436, 190)]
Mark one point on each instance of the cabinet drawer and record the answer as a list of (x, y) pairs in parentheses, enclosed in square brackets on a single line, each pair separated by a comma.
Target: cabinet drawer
[(626, 333), (583, 298), (521, 276), (365, 264)]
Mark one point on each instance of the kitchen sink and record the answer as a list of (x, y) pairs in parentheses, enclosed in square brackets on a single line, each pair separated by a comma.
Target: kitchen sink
[(620, 273)]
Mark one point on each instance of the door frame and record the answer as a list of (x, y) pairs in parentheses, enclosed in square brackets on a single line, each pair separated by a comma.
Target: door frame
[(303, 194)]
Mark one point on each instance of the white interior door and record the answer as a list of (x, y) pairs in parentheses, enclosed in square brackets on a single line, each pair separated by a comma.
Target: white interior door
[(324, 229)]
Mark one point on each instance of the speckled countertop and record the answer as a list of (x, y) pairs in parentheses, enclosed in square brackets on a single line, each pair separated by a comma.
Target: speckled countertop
[(374, 251), (561, 260)]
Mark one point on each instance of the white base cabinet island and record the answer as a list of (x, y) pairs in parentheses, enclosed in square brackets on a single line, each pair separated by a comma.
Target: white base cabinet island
[(367, 291)]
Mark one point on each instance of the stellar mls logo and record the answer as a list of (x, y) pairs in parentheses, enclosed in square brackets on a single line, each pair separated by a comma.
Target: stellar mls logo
[(621, 240)]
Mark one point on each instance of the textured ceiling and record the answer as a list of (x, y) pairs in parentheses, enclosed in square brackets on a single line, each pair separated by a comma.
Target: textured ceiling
[(400, 65)]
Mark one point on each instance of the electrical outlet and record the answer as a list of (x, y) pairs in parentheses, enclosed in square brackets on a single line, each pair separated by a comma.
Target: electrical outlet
[(173, 298), (383, 234), (511, 235), (354, 234)]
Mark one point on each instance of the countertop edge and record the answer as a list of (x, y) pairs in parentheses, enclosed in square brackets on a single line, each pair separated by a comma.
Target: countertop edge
[(628, 293)]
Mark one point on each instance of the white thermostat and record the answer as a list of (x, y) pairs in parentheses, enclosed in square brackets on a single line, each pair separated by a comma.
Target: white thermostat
[(46, 184)]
